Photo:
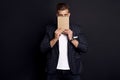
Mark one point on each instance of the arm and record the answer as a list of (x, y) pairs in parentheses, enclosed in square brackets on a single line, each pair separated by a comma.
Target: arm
[(58, 32), (45, 45), (80, 44), (82, 40), (75, 43), (53, 42)]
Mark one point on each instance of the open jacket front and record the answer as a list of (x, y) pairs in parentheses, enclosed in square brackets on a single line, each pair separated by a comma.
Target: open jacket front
[(74, 54)]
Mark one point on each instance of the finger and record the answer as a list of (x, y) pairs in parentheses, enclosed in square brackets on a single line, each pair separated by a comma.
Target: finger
[(66, 30)]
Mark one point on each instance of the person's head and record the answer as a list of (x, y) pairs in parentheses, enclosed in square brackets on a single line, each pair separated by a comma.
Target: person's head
[(62, 9)]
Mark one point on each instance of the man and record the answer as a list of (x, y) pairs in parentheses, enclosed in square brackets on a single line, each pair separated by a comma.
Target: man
[(63, 49)]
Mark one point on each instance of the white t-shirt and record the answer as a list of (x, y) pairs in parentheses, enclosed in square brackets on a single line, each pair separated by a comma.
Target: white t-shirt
[(63, 53)]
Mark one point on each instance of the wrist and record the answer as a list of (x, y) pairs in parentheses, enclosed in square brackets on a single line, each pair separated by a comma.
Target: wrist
[(55, 39), (72, 39), (75, 42), (52, 42)]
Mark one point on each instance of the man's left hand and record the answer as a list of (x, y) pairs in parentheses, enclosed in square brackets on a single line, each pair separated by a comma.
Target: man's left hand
[(69, 33)]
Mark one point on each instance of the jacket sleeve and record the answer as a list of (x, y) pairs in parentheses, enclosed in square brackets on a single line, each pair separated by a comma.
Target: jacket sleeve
[(82, 39), (45, 43)]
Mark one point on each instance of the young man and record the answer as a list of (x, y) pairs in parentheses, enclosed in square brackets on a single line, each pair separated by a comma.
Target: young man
[(63, 49)]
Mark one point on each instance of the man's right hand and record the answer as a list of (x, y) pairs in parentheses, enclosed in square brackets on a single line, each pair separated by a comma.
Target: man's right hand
[(58, 32)]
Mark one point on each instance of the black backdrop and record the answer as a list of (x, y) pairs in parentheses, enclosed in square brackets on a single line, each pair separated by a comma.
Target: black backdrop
[(22, 26)]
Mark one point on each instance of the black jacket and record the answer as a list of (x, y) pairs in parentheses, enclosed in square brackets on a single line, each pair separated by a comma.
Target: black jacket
[(73, 53)]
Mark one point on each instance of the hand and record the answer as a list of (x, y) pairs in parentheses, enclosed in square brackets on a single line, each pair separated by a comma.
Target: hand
[(69, 33), (58, 32)]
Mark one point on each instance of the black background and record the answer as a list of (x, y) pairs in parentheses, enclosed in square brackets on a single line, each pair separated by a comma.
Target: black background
[(22, 26)]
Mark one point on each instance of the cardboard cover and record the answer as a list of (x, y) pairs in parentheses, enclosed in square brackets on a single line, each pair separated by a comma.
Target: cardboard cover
[(63, 22)]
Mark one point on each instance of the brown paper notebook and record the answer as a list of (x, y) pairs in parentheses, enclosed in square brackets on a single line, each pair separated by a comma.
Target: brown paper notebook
[(63, 22)]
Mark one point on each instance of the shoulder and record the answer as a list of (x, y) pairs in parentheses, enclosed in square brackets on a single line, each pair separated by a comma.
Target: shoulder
[(50, 27), (76, 27)]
